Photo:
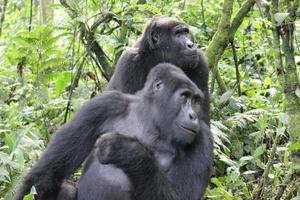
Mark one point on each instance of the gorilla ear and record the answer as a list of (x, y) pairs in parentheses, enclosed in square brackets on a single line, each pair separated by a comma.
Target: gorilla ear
[(158, 85), (155, 36), (153, 39)]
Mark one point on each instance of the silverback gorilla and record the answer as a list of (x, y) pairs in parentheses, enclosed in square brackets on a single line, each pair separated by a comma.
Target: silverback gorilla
[(149, 139)]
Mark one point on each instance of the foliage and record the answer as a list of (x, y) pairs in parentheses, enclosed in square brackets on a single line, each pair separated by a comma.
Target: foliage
[(48, 72)]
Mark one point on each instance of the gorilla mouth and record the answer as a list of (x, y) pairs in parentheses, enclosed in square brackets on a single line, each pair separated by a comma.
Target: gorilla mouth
[(191, 54), (187, 129)]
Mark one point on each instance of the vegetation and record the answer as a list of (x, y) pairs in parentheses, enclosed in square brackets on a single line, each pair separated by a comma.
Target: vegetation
[(55, 55)]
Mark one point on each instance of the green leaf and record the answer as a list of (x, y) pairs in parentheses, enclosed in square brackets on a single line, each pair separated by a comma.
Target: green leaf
[(267, 81), (250, 93), (294, 147), (280, 130), (20, 157), (42, 95), (271, 176), (225, 97), (280, 17), (296, 198), (52, 62), (259, 151), (228, 161), (29, 197), (61, 82), (9, 141), (249, 172), (4, 174), (244, 160), (284, 118), (216, 181), (297, 59), (80, 18), (297, 92)]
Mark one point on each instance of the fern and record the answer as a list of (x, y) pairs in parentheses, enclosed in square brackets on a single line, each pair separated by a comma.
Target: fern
[(38, 50), (242, 120), (220, 137)]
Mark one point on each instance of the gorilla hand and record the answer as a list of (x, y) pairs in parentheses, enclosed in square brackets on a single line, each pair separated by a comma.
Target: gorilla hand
[(112, 148)]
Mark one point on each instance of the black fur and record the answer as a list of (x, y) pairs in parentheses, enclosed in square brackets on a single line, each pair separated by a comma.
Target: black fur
[(165, 146), (156, 157)]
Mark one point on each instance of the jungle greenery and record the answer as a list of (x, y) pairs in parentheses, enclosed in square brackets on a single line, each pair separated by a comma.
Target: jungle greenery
[(55, 55)]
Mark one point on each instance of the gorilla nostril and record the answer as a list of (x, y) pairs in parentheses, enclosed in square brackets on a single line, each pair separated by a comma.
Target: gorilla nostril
[(193, 116), (190, 44)]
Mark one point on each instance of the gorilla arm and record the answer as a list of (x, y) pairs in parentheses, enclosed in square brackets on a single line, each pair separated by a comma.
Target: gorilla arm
[(71, 145), (140, 166), (136, 67)]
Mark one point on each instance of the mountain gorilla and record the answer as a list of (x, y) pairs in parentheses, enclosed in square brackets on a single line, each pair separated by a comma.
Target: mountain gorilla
[(167, 135), (163, 133), (164, 40)]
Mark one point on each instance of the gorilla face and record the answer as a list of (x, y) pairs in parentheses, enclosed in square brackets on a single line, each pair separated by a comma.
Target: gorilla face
[(187, 122), (177, 106), (173, 41)]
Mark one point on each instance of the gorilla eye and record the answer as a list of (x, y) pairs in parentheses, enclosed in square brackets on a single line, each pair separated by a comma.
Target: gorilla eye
[(197, 100), (157, 85), (182, 31), (185, 95), (186, 30)]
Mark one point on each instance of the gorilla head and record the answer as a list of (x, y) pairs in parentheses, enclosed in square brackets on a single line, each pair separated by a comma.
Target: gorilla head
[(169, 90), (171, 41)]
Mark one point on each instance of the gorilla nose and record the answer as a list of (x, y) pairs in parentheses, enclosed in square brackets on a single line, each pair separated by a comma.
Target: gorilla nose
[(193, 116), (190, 44)]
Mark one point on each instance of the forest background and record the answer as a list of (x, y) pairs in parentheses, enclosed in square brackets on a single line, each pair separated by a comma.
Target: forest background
[(57, 54)]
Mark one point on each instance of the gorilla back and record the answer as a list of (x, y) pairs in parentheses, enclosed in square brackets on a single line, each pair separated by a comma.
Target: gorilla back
[(164, 153)]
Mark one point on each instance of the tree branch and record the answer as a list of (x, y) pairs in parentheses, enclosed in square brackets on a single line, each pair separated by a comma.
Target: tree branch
[(276, 44), (259, 194), (225, 34), (239, 17), (236, 64), (3, 11), (219, 42), (73, 86), (88, 38)]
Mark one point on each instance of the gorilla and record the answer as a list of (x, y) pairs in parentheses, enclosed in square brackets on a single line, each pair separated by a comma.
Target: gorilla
[(145, 142), (163, 40)]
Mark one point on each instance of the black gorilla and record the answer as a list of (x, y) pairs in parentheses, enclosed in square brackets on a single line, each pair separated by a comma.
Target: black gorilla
[(164, 40), (163, 134), (166, 120)]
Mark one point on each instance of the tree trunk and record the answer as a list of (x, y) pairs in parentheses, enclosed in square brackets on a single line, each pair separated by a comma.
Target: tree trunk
[(2, 15), (283, 39), (46, 12), (224, 35), (287, 69)]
